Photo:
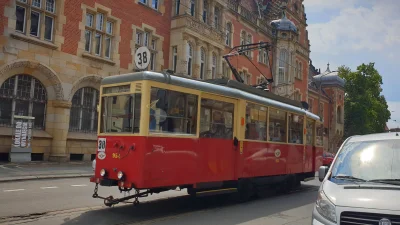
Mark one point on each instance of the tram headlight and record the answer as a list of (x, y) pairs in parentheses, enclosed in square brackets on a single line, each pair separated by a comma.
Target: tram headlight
[(120, 175), (102, 172)]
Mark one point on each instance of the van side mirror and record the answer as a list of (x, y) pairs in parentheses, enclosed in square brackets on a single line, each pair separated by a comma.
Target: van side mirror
[(323, 170)]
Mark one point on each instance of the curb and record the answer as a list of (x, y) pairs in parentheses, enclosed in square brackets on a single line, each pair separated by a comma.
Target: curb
[(43, 177)]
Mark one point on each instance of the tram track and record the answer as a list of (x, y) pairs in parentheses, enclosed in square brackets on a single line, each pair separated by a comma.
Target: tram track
[(201, 205)]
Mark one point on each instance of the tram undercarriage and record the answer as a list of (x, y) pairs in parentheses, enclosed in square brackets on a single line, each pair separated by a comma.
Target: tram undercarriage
[(243, 188)]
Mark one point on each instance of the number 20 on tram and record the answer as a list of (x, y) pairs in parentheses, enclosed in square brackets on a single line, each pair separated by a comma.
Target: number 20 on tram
[(159, 132)]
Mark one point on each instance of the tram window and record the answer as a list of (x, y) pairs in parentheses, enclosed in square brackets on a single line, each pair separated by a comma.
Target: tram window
[(256, 122), (320, 135), (121, 114), (310, 132), (296, 123), (172, 112), (277, 125), (216, 119)]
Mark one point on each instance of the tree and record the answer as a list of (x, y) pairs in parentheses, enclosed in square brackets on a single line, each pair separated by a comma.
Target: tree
[(366, 110)]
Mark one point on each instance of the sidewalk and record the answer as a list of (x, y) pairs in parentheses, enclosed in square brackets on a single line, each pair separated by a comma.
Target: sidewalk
[(43, 170)]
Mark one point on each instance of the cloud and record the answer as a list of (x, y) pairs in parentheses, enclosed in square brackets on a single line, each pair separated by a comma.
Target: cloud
[(355, 27), (322, 5), (394, 106)]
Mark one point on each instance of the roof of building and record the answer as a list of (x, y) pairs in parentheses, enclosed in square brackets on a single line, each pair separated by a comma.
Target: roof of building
[(284, 24), (231, 88), (329, 78)]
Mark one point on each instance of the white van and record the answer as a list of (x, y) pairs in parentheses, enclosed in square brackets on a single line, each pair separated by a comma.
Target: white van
[(363, 184)]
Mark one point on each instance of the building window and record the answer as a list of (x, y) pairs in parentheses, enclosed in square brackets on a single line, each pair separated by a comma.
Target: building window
[(282, 65), (177, 6), (249, 40), (189, 59), (202, 63), (216, 18), (228, 34), (243, 38), (154, 4), (310, 105), (98, 34), (205, 11), (146, 38), (214, 66), (40, 15), (321, 110), (83, 116), (174, 58), (192, 7), (23, 95)]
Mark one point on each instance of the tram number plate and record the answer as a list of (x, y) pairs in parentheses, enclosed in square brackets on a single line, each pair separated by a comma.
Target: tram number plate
[(101, 145)]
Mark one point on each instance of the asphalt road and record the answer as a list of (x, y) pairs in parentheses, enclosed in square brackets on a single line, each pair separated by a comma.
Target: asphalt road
[(69, 202)]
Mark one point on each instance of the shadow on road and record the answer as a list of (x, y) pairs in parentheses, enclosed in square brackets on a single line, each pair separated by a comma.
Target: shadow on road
[(221, 208)]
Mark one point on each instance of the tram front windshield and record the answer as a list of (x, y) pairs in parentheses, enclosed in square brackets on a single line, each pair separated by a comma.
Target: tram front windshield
[(120, 114)]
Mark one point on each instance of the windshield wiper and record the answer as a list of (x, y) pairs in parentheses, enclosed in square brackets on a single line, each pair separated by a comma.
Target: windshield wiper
[(349, 178), (386, 181)]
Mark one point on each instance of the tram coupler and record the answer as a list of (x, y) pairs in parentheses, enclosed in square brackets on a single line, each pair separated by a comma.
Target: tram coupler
[(110, 201)]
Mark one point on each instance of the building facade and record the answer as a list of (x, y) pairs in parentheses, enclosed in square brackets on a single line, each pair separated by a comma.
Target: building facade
[(53, 56)]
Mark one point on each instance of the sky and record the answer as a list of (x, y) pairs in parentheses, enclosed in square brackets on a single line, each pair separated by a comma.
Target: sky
[(352, 32)]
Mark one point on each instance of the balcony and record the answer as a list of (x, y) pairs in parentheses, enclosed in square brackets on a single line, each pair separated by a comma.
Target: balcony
[(199, 27)]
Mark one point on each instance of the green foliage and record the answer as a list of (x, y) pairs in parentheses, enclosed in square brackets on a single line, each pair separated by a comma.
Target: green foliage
[(366, 110)]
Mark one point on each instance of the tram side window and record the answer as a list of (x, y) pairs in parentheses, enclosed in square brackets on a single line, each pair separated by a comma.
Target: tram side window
[(320, 135), (310, 132), (216, 119), (172, 112), (296, 128), (256, 122), (121, 114), (277, 125)]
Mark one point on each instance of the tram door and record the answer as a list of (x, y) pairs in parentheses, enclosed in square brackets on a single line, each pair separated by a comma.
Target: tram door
[(217, 134)]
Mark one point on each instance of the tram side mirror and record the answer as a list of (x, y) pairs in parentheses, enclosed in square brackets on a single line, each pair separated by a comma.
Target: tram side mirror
[(323, 170), (235, 141)]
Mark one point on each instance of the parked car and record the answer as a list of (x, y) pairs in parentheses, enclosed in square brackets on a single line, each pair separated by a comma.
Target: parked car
[(327, 159), (363, 184)]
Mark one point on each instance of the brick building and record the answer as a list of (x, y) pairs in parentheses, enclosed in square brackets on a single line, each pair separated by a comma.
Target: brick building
[(53, 56)]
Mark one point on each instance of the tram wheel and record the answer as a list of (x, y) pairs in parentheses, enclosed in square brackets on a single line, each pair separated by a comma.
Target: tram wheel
[(246, 190)]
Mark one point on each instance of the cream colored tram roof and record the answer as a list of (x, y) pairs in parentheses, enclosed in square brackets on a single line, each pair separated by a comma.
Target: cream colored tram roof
[(206, 87)]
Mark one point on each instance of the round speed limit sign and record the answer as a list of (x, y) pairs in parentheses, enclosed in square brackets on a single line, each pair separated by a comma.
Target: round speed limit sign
[(142, 58)]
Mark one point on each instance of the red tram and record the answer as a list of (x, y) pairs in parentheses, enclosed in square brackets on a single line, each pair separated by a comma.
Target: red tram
[(158, 132)]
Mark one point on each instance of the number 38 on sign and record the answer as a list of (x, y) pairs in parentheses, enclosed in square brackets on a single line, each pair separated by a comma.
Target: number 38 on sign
[(142, 58)]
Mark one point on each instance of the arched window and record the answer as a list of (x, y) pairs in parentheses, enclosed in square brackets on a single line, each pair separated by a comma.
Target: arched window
[(83, 116), (283, 60), (202, 63), (214, 65), (339, 114), (228, 34), (189, 59), (249, 40), (23, 95)]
